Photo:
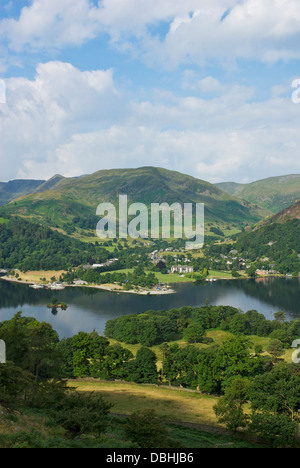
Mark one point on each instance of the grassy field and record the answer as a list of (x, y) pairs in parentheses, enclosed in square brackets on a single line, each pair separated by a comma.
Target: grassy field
[(171, 405), (34, 429), (215, 337), (223, 274), (40, 276), (171, 278)]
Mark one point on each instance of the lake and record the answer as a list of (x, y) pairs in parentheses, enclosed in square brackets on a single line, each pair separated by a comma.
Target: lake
[(89, 308)]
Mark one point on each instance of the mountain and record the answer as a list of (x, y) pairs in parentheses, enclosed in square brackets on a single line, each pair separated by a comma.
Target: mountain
[(273, 194), (49, 184), (289, 214), (30, 246), (274, 243), (293, 212), (70, 203), (17, 188)]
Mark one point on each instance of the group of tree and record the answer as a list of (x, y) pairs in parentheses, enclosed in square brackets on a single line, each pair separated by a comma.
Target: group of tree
[(267, 405), (277, 242), (29, 246), (191, 323), (256, 391), (128, 279)]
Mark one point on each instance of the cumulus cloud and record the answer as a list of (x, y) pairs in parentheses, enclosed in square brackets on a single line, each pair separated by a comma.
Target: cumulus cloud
[(42, 113), (69, 121), (50, 24), (74, 122), (267, 31), (197, 30)]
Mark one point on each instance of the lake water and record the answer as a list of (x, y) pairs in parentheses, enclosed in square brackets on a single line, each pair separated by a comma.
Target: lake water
[(89, 309)]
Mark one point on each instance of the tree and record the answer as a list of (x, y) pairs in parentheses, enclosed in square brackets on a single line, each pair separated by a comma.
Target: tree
[(229, 409), (81, 413), (13, 332), (164, 349), (210, 370), (239, 324), (280, 316), (277, 391), (194, 333), (275, 348), (146, 430), (14, 386), (31, 345), (278, 429), (42, 357), (65, 349), (143, 368), (88, 350), (114, 364), (252, 271), (237, 361)]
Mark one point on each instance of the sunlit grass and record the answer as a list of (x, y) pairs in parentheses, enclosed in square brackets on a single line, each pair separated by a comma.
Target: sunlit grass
[(170, 404)]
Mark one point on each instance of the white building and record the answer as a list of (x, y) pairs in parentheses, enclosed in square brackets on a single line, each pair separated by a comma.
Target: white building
[(182, 269)]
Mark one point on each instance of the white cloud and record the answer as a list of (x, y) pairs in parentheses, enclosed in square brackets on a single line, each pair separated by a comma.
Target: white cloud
[(75, 122), (42, 113), (265, 30), (51, 24)]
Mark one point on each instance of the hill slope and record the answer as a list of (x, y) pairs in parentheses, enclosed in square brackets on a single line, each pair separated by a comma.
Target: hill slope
[(29, 246), (273, 194), (17, 188), (290, 213), (71, 203), (276, 239)]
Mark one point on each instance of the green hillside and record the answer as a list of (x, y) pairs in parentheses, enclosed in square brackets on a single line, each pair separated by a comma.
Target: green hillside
[(273, 194), (276, 239), (70, 203), (17, 188), (29, 246)]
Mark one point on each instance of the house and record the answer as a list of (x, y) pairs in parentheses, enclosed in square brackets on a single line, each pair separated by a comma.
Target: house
[(100, 265), (80, 282), (262, 272), (182, 269)]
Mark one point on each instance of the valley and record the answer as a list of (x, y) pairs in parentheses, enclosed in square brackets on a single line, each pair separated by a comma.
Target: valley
[(181, 326)]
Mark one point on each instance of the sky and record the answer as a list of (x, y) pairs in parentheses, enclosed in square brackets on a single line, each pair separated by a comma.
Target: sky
[(206, 88)]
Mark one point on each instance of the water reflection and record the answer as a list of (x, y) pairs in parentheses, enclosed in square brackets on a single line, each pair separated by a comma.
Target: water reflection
[(90, 308)]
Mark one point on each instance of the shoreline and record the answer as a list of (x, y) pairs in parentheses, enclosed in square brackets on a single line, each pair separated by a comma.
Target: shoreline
[(141, 292), (146, 292)]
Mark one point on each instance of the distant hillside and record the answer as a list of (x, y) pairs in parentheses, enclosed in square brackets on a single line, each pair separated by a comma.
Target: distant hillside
[(276, 239), (292, 212), (289, 214), (70, 203), (29, 246), (49, 184), (273, 194), (17, 188)]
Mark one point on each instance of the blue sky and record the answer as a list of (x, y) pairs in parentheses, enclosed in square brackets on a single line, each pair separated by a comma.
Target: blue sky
[(204, 88)]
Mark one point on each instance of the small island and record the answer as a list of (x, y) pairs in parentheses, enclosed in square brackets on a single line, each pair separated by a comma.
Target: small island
[(55, 305)]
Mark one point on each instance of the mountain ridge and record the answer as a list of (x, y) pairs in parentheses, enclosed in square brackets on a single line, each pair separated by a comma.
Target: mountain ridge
[(60, 200), (17, 188), (273, 193), (288, 214)]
